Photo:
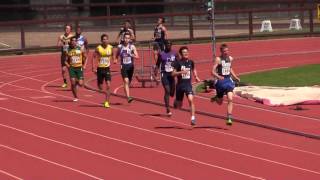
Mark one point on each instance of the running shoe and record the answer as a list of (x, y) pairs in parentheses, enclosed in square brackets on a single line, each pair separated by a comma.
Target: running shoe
[(169, 113), (130, 99), (106, 104), (193, 121), (229, 122), (75, 99), (64, 85)]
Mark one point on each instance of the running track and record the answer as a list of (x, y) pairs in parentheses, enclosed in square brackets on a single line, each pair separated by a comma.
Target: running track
[(44, 135)]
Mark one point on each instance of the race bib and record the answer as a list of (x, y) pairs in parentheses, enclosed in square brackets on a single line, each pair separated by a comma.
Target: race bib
[(158, 35), (104, 61), (75, 60), (226, 68), (186, 75), (168, 67), (126, 60), (225, 71)]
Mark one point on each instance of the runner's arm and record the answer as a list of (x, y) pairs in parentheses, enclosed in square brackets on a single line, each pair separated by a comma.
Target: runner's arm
[(94, 60), (133, 37), (135, 53), (59, 43), (233, 73), (84, 58), (66, 61), (115, 55), (215, 65), (195, 74), (157, 65), (86, 44), (165, 32)]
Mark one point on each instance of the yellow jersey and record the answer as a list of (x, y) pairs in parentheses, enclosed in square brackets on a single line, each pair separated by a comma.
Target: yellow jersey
[(75, 57), (105, 55)]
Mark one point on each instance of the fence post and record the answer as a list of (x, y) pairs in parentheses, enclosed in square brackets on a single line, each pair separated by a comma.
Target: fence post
[(311, 21), (236, 17), (108, 14), (171, 17), (45, 13), (22, 35), (250, 25), (76, 24), (191, 37), (302, 14)]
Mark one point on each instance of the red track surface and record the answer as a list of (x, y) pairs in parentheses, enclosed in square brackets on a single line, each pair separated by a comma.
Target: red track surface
[(44, 135)]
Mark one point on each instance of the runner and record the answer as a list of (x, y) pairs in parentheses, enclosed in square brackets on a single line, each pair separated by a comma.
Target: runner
[(159, 36), (76, 62), (183, 70), (222, 70), (126, 29), (127, 53), (82, 40), (101, 59), (63, 44), (165, 61)]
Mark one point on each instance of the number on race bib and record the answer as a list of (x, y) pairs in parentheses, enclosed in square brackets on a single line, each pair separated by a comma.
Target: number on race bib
[(168, 67), (186, 75), (226, 66), (225, 71), (75, 59), (126, 60), (104, 61)]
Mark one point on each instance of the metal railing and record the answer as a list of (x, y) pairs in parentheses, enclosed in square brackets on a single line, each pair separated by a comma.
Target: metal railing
[(245, 21)]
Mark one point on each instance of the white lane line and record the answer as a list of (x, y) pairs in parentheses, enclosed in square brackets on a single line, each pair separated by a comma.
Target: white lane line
[(89, 151), (48, 161), (43, 90), (234, 135), (264, 142), (10, 175), (121, 141), (167, 135), (187, 125), (23, 77), (42, 97), (267, 110)]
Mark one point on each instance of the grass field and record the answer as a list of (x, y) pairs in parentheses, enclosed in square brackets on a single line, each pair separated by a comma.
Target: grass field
[(308, 75), (297, 76)]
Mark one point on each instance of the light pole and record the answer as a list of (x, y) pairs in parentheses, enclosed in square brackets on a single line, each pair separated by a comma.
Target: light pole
[(211, 7)]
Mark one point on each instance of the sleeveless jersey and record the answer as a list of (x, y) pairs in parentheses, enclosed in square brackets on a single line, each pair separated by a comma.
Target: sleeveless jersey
[(105, 55), (126, 54), (182, 65), (224, 67), (158, 33), (75, 56), (167, 61)]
